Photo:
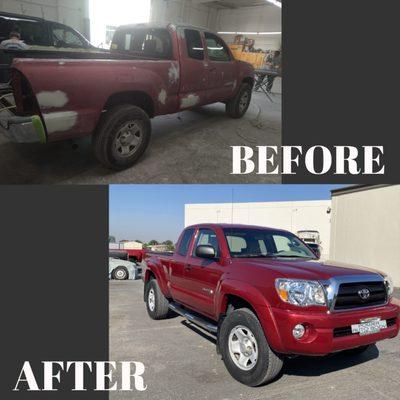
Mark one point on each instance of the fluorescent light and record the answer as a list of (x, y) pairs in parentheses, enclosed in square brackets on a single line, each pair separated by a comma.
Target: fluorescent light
[(250, 33), (227, 33), (269, 33), (247, 33), (275, 3)]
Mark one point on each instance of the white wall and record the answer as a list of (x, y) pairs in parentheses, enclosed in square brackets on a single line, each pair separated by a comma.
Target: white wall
[(291, 216), (253, 19), (74, 13), (366, 229), (183, 11)]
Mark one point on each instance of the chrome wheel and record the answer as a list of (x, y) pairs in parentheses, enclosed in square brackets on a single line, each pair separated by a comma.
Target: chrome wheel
[(243, 348), (128, 139), (244, 102), (152, 300)]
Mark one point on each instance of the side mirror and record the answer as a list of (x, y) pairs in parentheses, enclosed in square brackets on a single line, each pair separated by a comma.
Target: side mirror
[(206, 252)]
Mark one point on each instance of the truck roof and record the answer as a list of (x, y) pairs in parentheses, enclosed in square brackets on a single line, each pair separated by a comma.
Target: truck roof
[(227, 226), (20, 16), (162, 25)]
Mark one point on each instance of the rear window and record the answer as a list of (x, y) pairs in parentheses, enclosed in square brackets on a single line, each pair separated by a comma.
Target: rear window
[(155, 43), (32, 32), (185, 242)]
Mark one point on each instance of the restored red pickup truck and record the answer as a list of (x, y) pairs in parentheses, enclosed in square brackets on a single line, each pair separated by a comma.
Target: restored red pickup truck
[(150, 71), (266, 296)]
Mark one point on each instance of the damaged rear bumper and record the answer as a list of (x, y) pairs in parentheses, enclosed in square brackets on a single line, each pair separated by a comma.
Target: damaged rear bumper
[(28, 129)]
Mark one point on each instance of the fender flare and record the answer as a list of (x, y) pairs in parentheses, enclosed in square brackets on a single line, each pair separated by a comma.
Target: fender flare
[(259, 303)]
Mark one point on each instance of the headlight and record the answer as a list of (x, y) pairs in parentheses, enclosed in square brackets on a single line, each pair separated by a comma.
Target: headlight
[(389, 285), (301, 293)]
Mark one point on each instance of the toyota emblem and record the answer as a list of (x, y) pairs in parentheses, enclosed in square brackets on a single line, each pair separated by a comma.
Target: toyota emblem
[(364, 293)]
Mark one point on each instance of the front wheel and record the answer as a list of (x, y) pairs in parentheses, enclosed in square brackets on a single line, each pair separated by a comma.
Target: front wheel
[(238, 106), (120, 274), (245, 350), (122, 137)]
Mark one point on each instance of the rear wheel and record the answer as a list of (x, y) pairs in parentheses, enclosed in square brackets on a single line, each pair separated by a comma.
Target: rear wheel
[(122, 137), (156, 303), (245, 349), (120, 274), (238, 106)]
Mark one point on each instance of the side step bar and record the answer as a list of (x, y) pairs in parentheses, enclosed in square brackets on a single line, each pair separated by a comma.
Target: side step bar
[(194, 318)]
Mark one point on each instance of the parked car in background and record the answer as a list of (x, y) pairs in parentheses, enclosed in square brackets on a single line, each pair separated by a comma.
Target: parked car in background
[(265, 296), (151, 70), (45, 39), (309, 236), (133, 255), (122, 270), (316, 248)]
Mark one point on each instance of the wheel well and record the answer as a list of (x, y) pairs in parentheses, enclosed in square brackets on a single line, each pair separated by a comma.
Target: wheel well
[(149, 275), (136, 98), (236, 302), (248, 80)]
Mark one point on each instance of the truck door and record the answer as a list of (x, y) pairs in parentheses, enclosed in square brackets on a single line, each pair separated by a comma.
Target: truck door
[(222, 69), (194, 74), (201, 275), (177, 266)]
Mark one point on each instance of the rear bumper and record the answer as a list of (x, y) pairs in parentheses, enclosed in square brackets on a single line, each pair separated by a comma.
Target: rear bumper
[(320, 338), (22, 129)]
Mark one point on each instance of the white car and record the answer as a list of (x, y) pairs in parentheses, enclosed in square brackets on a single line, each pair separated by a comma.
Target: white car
[(122, 270)]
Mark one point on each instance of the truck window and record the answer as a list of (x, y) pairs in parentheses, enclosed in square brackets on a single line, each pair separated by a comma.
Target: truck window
[(207, 237), (185, 242), (194, 44), (65, 37), (217, 49), (147, 42), (32, 32)]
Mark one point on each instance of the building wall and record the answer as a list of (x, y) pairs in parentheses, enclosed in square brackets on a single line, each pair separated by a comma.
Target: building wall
[(291, 216), (74, 13), (253, 19), (366, 229)]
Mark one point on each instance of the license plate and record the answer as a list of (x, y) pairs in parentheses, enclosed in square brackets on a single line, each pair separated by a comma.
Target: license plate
[(369, 326)]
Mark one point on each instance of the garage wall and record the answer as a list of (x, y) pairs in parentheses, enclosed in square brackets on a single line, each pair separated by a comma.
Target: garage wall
[(366, 229), (253, 19), (291, 216), (183, 11), (74, 13)]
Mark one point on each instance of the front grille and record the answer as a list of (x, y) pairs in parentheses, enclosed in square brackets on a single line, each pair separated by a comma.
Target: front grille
[(348, 295), (346, 330)]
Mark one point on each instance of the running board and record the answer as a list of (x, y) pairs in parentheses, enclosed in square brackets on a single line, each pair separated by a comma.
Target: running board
[(195, 319)]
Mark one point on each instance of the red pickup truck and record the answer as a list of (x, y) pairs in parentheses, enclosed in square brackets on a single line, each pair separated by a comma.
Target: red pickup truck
[(151, 70), (265, 295)]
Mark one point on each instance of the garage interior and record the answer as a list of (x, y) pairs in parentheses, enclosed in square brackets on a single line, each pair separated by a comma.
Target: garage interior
[(192, 146)]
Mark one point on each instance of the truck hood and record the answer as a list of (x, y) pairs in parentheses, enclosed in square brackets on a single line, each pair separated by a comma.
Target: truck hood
[(308, 269)]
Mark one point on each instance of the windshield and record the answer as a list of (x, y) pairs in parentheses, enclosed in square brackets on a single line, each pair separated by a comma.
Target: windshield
[(260, 243)]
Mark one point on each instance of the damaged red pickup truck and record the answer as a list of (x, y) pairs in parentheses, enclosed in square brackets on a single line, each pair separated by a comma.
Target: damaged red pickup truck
[(150, 71), (266, 296)]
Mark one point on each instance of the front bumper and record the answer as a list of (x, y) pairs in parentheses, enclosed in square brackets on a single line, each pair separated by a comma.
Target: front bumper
[(28, 129), (324, 331)]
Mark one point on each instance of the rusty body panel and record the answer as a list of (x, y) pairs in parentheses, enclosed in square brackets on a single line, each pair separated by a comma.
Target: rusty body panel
[(72, 94)]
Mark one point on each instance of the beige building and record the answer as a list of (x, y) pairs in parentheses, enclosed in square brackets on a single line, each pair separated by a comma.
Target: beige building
[(366, 227)]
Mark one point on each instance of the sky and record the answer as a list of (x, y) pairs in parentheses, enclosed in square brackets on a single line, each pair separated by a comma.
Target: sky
[(147, 212)]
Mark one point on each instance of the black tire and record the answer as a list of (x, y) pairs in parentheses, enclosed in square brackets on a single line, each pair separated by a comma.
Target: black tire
[(120, 274), (268, 364), (105, 138), (233, 107), (358, 350), (161, 303)]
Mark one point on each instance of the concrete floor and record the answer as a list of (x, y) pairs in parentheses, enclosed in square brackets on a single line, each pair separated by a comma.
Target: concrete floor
[(181, 362), (191, 147)]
